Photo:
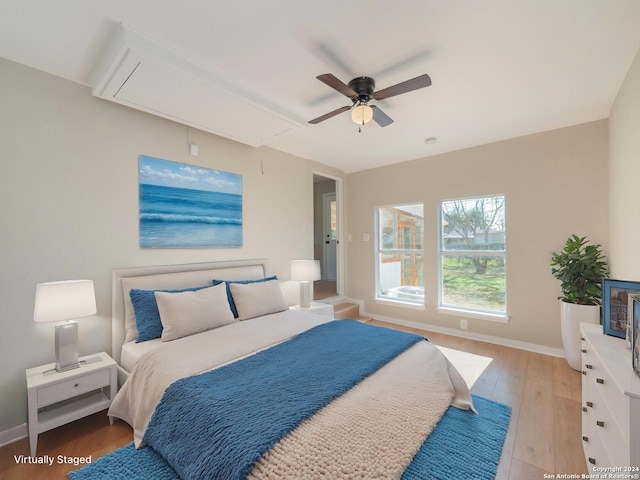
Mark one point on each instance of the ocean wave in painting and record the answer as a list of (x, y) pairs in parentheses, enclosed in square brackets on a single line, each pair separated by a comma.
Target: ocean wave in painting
[(164, 217), (172, 217)]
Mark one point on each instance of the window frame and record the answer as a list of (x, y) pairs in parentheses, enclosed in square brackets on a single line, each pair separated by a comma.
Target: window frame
[(380, 250), (461, 310)]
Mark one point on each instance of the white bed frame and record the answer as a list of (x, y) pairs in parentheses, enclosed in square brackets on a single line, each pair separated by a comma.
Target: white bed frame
[(169, 277)]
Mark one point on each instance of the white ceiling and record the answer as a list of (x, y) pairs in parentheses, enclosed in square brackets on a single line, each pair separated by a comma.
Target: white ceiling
[(500, 68)]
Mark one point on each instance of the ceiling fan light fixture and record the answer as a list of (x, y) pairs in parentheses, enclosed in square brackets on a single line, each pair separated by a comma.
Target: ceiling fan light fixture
[(362, 114)]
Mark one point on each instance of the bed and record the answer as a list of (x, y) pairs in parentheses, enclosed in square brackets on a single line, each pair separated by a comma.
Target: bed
[(271, 393)]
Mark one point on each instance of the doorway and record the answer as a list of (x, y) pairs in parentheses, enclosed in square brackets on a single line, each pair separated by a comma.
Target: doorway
[(326, 241), (329, 236)]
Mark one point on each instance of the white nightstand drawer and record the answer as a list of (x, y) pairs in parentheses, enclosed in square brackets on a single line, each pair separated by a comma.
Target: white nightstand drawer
[(72, 388)]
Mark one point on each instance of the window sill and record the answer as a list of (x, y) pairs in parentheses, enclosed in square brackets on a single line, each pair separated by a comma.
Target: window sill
[(400, 303), (491, 317)]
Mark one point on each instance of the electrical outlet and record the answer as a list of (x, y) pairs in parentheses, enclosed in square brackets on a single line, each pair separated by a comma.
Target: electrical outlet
[(463, 324)]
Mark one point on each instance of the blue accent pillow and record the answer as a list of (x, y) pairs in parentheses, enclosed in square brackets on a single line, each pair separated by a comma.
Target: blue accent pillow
[(145, 307), (232, 304)]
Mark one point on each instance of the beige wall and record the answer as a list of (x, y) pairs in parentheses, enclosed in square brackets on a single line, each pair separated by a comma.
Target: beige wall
[(69, 209), (69, 195), (624, 178), (555, 183)]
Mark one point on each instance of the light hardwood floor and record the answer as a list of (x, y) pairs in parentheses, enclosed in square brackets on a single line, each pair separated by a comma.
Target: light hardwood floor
[(544, 393), (544, 434)]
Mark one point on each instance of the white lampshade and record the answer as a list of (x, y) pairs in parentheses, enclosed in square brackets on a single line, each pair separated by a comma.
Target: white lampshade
[(362, 114), (305, 270), (56, 301), (68, 300)]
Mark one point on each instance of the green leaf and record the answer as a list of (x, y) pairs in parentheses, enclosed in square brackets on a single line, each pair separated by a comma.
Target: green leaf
[(580, 267)]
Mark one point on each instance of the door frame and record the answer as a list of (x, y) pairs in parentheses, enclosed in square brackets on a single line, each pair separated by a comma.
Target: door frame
[(339, 227)]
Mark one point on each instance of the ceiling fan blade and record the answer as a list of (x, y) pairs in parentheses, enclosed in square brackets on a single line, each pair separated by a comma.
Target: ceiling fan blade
[(380, 117), (327, 116), (338, 85), (403, 87), (327, 51)]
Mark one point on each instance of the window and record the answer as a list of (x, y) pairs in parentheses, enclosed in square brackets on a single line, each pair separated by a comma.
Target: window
[(472, 255), (400, 251)]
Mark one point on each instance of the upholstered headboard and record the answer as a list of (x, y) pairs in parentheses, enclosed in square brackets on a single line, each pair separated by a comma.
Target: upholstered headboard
[(169, 277)]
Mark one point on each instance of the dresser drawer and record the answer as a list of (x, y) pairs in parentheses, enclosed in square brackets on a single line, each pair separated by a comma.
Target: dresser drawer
[(600, 421), (596, 377), (594, 453), (612, 396), (74, 387)]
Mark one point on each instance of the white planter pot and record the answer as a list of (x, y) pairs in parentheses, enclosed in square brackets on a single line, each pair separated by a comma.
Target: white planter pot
[(571, 316)]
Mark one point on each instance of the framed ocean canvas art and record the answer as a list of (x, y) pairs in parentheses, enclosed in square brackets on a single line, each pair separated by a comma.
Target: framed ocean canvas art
[(187, 206)]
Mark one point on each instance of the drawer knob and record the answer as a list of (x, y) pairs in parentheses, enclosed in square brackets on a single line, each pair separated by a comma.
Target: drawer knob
[(75, 385), (585, 439), (582, 338), (584, 409), (584, 350), (592, 460), (600, 381), (589, 366), (600, 423), (584, 372), (590, 404)]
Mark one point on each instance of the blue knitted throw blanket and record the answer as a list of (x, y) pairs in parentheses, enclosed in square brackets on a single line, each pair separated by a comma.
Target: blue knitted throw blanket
[(218, 424)]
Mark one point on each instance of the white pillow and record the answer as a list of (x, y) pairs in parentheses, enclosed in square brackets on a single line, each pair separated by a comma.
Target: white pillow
[(256, 299), (186, 313)]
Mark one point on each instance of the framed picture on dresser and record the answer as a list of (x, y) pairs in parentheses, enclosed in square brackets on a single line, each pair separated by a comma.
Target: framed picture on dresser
[(634, 302), (615, 305)]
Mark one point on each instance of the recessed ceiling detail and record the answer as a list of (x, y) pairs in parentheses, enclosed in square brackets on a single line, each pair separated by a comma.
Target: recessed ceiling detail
[(140, 73)]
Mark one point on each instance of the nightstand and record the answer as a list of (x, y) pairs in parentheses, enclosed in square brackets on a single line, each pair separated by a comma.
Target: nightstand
[(57, 398), (318, 308)]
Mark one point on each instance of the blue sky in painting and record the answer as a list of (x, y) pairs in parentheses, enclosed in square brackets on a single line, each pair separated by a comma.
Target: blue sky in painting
[(155, 171)]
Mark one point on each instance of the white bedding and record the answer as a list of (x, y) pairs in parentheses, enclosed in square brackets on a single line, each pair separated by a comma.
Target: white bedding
[(156, 369), (132, 352)]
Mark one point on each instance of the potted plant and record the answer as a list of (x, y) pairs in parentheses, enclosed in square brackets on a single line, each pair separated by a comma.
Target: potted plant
[(580, 267)]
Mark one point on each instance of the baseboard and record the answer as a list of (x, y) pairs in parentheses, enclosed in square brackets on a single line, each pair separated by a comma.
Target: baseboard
[(505, 342), (13, 434)]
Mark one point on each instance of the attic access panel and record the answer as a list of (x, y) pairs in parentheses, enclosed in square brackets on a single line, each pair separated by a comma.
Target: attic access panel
[(168, 92), (144, 74)]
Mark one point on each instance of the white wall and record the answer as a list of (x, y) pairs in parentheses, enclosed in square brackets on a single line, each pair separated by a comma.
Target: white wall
[(624, 178), (69, 208), (555, 183)]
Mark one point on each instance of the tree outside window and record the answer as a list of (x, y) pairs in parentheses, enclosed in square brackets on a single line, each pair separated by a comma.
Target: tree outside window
[(472, 254)]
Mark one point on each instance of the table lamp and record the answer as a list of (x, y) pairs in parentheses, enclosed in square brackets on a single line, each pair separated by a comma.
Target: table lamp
[(305, 271), (66, 300)]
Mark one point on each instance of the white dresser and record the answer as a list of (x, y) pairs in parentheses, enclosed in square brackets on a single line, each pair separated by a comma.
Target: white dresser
[(610, 402)]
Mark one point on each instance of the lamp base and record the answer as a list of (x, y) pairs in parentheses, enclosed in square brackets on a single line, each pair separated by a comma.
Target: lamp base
[(67, 346), (305, 294)]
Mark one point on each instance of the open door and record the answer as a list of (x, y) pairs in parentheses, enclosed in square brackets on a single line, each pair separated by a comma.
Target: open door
[(326, 235), (329, 237)]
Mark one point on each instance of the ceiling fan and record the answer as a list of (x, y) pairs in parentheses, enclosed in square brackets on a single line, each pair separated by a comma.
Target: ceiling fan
[(361, 91)]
